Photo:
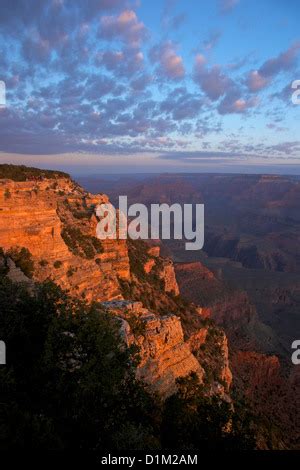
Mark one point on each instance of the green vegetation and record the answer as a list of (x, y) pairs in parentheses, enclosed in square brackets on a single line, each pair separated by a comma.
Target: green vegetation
[(3, 265), (80, 244), (22, 259), (138, 256), (69, 385), (57, 264), (150, 289), (7, 194), (71, 271), (79, 211), (137, 325), (192, 420), (22, 173), (81, 214), (43, 262)]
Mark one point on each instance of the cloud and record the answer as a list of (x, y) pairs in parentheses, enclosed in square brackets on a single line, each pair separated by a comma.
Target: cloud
[(141, 82), (170, 63), (79, 79), (212, 40), (287, 148), (36, 49), (283, 62), (177, 21), (181, 104), (226, 6), (259, 79), (125, 27), (96, 87), (52, 18), (274, 126), (200, 155), (122, 63), (285, 94), (234, 103), (256, 82), (212, 80), (216, 85), (169, 21)]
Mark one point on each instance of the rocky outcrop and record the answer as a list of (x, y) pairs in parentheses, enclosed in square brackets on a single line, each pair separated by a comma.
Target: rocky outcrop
[(154, 251), (164, 355), (149, 265), (164, 268), (196, 282), (209, 344), (225, 372), (50, 215), (274, 395), (15, 274), (167, 274)]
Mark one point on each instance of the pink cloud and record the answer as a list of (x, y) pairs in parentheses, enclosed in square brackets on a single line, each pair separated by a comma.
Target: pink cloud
[(255, 81), (284, 61), (212, 81), (125, 62), (259, 79), (125, 27), (170, 63), (233, 103)]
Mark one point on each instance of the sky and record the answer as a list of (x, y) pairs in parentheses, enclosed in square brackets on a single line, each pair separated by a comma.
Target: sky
[(104, 86)]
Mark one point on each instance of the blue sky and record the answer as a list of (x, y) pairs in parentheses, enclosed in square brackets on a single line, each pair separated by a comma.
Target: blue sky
[(163, 85)]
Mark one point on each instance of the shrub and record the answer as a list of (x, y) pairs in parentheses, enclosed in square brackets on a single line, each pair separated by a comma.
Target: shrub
[(22, 172), (81, 244), (57, 264), (7, 194), (138, 256), (22, 259), (68, 391), (3, 264), (193, 420), (81, 214), (136, 324), (71, 271)]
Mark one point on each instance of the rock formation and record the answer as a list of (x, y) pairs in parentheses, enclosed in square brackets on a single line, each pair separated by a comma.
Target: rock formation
[(164, 355), (54, 218), (166, 271)]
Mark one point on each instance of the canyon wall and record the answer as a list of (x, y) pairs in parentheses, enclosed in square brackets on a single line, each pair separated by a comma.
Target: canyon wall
[(36, 215), (55, 220)]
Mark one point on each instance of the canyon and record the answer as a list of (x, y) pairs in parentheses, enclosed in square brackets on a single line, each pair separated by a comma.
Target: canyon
[(246, 279), (202, 314), (54, 220)]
